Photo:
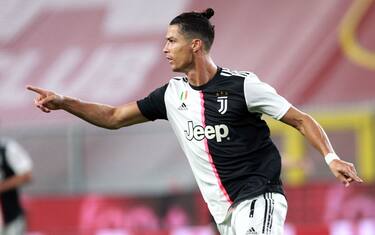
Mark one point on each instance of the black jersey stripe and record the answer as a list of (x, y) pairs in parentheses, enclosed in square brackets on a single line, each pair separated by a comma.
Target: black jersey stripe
[(265, 212), (272, 201), (252, 208), (268, 213), (248, 146)]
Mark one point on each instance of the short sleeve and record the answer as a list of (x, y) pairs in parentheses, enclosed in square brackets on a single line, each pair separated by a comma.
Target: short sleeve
[(262, 98), (17, 158), (153, 106)]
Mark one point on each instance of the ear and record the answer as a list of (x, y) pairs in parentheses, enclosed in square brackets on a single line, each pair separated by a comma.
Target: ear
[(196, 45)]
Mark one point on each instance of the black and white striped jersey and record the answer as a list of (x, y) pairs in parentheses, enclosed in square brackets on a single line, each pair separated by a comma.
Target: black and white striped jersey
[(14, 160), (220, 129)]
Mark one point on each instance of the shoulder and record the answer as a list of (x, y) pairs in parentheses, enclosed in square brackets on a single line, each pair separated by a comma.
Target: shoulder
[(5, 142), (236, 73), (14, 151), (12, 145)]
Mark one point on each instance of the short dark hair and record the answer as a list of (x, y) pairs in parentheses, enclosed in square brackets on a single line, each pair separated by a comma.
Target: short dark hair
[(197, 24)]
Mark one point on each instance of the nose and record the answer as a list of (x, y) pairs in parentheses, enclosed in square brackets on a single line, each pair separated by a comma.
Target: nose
[(165, 48)]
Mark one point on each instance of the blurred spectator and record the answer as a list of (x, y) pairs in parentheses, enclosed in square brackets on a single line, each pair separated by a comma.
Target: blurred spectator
[(15, 171), (176, 217), (359, 203), (105, 215)]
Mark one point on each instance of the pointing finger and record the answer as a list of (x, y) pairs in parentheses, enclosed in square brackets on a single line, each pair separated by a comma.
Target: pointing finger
[(355, 177), (351, 173), (35, 89)]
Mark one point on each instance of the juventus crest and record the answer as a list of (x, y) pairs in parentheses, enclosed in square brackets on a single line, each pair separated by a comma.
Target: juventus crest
[(223, 101)]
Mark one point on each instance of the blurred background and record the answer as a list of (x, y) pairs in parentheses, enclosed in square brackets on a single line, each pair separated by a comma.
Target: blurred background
[(318, 54)]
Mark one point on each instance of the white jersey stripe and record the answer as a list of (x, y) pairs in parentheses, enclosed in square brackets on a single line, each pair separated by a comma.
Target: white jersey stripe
[(223, 190)]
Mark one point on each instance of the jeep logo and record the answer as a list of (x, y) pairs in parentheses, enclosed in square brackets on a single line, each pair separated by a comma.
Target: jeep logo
[(199, 132)]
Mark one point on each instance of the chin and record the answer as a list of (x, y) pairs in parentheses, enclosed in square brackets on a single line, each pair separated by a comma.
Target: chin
[(174, 69), (178, 69)]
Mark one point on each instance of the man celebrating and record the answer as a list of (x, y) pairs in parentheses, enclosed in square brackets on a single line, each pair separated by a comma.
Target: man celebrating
[(216, 116)]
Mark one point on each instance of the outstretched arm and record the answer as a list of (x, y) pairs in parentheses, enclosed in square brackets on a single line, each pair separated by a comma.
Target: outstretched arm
[(101, 115), (314, 133)]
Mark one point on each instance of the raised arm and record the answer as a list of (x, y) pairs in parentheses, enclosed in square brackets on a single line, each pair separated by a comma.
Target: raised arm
[(101, 115), (314, 133)]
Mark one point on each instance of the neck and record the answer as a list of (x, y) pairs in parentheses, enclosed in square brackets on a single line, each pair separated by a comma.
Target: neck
[(203, 71)]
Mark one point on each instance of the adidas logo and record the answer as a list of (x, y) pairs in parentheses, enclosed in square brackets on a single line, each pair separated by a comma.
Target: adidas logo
[(251, 231), (182, 107)]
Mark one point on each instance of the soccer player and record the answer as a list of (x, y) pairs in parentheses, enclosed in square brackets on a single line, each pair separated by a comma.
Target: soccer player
[(216, 115), (15, 172)]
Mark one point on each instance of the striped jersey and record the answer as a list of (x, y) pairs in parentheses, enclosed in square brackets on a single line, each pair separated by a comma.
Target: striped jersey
[(14, 160), (220, 130)]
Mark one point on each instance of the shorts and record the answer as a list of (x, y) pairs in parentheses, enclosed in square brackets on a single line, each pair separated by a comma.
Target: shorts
[(16, 227), (264, 214)]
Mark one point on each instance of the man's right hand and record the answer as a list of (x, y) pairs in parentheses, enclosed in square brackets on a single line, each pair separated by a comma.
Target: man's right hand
[(46, 100)]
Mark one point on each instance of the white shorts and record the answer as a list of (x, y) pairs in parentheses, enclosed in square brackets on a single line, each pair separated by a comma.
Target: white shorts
[(16, 227), (264, 214)]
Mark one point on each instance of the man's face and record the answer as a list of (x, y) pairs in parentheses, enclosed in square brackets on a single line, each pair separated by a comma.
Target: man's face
[(178, 50)]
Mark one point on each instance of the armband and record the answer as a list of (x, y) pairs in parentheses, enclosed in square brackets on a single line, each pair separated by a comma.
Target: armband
[(330, 157)]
